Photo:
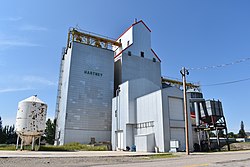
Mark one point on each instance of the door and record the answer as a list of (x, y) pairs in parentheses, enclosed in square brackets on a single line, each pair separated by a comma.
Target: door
[(176, 111), (119, 144)]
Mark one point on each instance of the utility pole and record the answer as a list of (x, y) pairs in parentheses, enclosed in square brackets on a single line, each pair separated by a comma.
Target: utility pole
[(185, 72)]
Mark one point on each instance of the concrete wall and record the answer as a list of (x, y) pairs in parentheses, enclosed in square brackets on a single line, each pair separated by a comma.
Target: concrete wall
[(89, 85)]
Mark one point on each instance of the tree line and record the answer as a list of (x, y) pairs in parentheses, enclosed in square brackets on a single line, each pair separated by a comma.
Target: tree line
[(240, 134), (8, 134)]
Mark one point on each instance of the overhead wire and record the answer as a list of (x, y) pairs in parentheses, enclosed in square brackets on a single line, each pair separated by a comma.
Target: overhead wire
[(226, 83), (221, 65)]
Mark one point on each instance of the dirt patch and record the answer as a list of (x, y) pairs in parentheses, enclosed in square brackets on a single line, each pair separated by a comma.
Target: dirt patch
[(238, 146)]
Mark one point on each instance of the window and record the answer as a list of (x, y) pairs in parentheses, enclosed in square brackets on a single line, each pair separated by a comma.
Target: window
[(120, 40), (154, 60), (129, 53), (142, 54), (128, 43)]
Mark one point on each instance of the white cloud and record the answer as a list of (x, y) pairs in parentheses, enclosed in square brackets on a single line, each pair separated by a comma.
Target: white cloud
[(33, 28), (11, 19), (19, 83), (38, 80), (6, 90), (16, 42), (7, 41)]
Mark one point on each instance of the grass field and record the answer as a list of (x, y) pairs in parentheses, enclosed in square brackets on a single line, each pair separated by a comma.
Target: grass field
[(66, 147)]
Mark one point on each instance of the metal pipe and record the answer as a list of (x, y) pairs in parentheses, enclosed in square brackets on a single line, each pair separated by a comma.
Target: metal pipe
[(17, 142), (197, 114), (21, 144), (228, 145), (33, 143), (218, 138), (199, 139), (183, 73), (39, 142), (196, 100), (208, 141), (117, 107), (117, 119)]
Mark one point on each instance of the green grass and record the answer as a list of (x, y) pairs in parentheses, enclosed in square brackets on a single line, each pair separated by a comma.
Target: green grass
[(74, 147), (7, 147), (66, 147), (161, 156)]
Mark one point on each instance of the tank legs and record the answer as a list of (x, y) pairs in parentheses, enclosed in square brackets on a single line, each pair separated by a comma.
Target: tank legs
[(21, 144), (39, 143), (17, 142), (33, 143)]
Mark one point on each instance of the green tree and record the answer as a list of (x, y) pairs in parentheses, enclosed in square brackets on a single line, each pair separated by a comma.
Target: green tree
[(221, 133), (4, 134), (232, 135), (1, 132), (7, 134), (242, 133), (50, 131), (211, 134), (11, 135)]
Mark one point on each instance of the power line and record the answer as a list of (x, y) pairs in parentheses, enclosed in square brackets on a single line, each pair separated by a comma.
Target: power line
[(229, 82), (221, 65)]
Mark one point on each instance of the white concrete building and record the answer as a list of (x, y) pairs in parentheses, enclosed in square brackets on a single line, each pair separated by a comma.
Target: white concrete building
[(143, 114)]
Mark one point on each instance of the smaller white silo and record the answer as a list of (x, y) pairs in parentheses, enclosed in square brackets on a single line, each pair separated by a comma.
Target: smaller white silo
[(30, 120)]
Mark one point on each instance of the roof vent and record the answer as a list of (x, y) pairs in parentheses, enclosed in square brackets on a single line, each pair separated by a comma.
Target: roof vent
[(135, 21)]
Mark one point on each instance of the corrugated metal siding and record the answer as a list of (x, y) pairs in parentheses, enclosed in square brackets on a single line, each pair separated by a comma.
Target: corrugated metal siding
[(134, 67), (90, 90), (61, 113), (176, 109)]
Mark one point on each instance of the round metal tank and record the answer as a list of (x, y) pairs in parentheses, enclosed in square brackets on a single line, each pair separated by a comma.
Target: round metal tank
[(31, 117)]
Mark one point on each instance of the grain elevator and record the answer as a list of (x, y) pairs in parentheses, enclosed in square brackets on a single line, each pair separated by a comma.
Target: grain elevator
[(112, 91), (85, 89)]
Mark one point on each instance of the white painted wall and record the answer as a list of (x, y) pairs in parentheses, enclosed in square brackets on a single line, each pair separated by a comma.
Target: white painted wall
[(139, 38), (149, 108), (125, 104), (145, 143), (126, 40)]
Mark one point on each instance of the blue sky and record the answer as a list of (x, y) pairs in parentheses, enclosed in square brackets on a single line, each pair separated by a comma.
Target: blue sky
[(194, 33)]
